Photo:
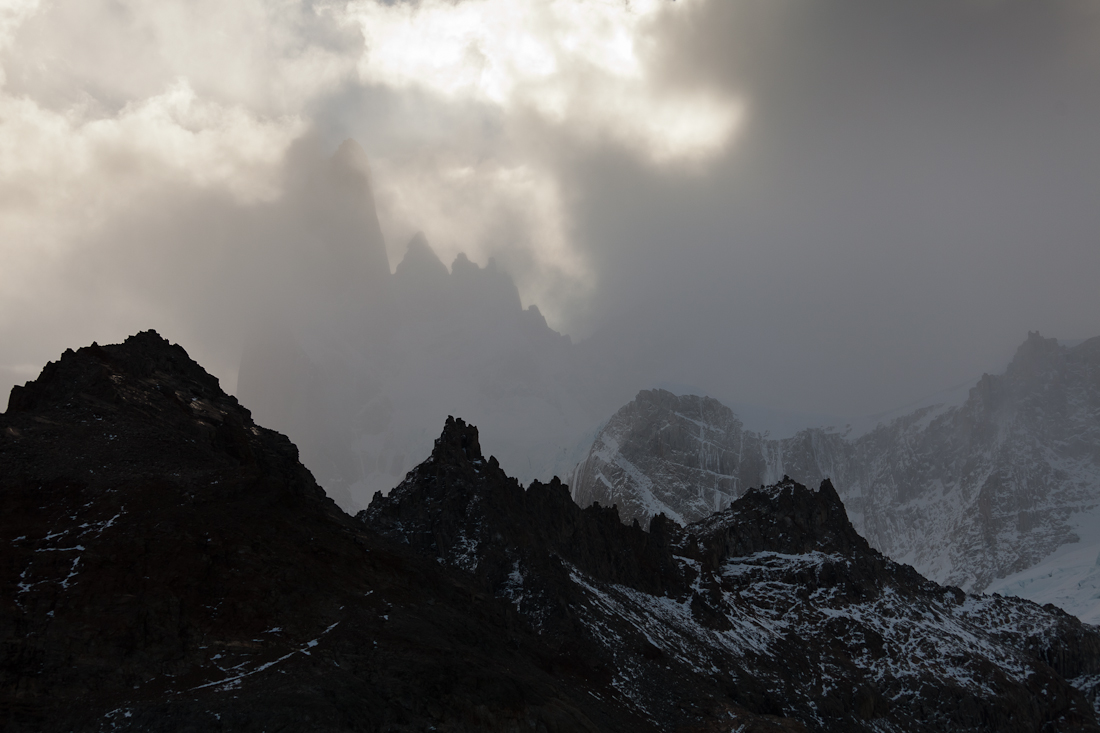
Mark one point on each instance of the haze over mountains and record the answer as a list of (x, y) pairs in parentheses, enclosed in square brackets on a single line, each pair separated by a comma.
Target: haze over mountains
[(969, 491), (361, 372), (168, 564), (832, 209), (360, 369), (361, 377)]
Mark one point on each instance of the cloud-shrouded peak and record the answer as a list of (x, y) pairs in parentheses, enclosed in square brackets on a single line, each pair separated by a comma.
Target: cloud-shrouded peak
[(422, 280), (420, 258), (500, 94), (351, 170), (826, 208)]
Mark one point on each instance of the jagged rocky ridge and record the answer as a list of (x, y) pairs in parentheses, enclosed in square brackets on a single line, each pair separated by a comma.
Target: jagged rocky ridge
[(169, 565), (965, 493), (774, 607)]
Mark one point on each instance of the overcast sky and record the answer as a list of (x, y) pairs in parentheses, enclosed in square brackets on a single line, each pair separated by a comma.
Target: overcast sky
[(825, 206)]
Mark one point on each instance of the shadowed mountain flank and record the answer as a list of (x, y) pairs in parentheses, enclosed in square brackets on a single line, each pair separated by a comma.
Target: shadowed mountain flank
[(168, 564)]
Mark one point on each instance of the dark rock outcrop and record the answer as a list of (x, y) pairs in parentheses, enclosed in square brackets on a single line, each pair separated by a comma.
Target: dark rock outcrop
[(166, 564), (459, 506), (785, 518)]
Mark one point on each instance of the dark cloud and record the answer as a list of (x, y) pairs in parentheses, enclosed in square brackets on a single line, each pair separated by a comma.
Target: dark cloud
[(911, 193)]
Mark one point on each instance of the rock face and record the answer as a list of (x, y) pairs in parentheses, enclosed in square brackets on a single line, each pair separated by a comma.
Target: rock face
[(966, 494), (685, 457), (169, 565), (989, 488)]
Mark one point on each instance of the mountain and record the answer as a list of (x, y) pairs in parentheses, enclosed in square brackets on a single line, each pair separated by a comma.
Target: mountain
[(169, 564), (683, 456), (361, 376), (967, 494), (774, 614)]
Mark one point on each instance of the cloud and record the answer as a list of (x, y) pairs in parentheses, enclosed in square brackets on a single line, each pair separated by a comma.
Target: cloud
[(505, 90), (587, 64), (108, 108), (63, 175), (832, 207), (910, 181), (271, 57), (117, 114), (515, 213)]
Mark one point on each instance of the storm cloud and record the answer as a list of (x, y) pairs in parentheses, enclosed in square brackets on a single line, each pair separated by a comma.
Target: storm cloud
[(835, 208)]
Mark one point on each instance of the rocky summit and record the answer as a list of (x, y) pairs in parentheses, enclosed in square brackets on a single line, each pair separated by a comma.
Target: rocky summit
[(169, 565)]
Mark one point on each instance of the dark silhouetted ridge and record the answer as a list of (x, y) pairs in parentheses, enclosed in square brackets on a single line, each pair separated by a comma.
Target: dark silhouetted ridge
[(170, 565)]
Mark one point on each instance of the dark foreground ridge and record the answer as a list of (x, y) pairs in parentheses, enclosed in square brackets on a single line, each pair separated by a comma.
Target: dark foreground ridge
[(168, 565), (774, 614)]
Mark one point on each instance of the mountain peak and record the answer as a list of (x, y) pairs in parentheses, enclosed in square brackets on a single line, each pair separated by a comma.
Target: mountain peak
[(786, 518), (778, 578), (108, 373), (458, 440), (351, 167), (151, 581), (421, 261), (1034, 356), (689, 456)]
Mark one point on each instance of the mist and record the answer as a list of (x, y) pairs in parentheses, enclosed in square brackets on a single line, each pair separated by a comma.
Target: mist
[(831, 211)]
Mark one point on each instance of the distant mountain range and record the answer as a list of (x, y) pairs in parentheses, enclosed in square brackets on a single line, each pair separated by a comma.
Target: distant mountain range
[(975, 492), (168, 564), (360, 378), (968, 494)]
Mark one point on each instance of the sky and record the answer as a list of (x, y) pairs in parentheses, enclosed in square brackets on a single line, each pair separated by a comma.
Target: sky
[(836, 208)]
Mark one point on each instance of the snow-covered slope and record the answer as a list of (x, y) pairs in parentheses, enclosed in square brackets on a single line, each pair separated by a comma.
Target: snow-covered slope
[(1069, 577), (980, 495)]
